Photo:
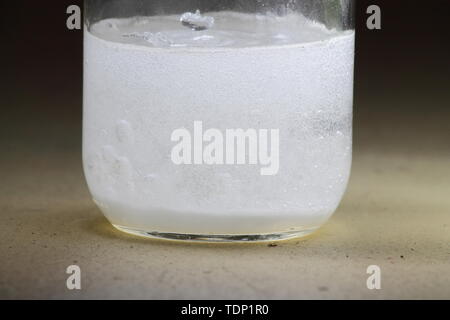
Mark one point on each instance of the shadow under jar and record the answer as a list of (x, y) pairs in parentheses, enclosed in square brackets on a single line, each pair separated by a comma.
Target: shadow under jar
[(218, 120)]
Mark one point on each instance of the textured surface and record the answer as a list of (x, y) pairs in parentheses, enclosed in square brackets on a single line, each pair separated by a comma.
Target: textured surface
[(396, 214)]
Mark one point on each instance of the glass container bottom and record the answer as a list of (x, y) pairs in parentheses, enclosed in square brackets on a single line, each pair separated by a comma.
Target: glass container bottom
[(227, 238)]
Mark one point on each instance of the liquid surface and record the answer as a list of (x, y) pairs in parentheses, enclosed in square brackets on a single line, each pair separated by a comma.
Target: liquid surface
[(216, 29), (137, 92)]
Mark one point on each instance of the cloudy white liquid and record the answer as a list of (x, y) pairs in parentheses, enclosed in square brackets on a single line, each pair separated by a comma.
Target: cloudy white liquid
[(146, 77)]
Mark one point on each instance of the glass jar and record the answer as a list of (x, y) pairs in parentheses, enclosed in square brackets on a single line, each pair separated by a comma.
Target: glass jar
[(218, 120)]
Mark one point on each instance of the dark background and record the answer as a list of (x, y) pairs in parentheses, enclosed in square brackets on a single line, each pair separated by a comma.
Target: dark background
[(402, 77)]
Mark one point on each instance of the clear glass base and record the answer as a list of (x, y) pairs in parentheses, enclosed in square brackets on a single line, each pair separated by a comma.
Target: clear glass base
[(219, 237)]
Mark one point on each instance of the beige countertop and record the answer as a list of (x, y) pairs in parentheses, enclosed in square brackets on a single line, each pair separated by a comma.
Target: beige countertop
[(395, 214)]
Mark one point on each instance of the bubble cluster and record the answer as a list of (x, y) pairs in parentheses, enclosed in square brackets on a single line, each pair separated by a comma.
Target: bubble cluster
[(196, 21)]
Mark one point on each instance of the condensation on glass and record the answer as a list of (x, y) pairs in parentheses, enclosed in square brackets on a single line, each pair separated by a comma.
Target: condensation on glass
[(218, 120)]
